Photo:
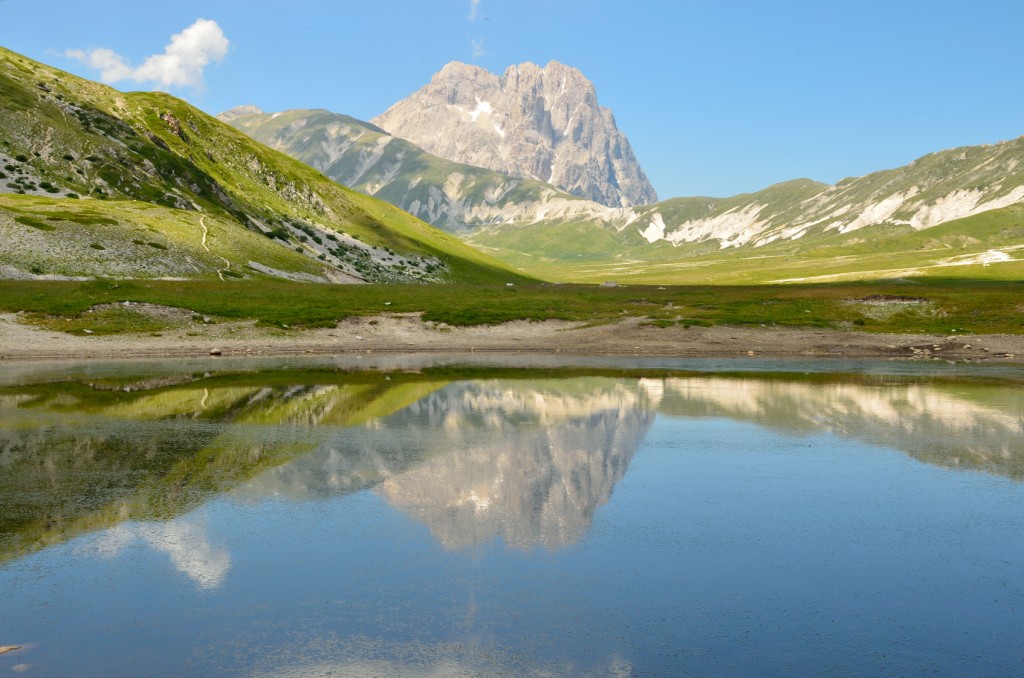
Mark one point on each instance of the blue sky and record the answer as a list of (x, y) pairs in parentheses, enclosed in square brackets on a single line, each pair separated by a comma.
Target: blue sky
[(717, 97)]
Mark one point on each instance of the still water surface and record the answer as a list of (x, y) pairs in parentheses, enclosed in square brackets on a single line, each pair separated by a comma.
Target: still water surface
[(445, 521)]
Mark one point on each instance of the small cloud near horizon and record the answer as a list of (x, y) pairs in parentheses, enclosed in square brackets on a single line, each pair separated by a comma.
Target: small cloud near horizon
[(478, 47), (182, 63)]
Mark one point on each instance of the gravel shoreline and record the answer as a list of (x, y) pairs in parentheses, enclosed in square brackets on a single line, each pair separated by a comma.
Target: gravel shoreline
[(406, 333)]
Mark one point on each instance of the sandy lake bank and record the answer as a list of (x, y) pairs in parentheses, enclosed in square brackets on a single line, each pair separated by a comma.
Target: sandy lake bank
[(408, 334)]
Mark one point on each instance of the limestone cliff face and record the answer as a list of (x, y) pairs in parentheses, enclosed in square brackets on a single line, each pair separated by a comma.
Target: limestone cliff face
[(531, 122)]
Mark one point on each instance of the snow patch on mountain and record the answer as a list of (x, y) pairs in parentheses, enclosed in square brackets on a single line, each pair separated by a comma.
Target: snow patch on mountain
[(734, 227), (879, 212), (960, 204), (994, 256), (655, 230)]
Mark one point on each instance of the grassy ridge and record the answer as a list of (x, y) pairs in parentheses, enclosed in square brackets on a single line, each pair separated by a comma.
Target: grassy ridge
[(944, 252), (939, 306), (362, 156), (87, 149)]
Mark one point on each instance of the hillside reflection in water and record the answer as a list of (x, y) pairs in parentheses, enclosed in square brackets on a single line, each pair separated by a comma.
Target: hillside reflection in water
[(96, 473)]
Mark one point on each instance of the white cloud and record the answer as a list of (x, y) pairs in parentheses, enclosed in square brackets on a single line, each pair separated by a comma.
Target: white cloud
[(183, 539), (474, 7), (181, 64), (111, 65), (190, 551), (478, 47)]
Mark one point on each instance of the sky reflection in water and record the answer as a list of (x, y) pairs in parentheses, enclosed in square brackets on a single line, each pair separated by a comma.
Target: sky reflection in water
[(513, 523)]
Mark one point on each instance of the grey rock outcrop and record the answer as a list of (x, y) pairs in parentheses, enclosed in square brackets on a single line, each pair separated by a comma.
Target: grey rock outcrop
[(239, 112), (531, 122)]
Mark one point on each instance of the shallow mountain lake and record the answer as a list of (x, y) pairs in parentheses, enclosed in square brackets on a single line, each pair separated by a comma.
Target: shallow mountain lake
[(417, 517)]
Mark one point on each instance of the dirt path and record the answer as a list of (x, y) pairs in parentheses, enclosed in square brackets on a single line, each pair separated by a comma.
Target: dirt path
[(227, 264), (406, 333)]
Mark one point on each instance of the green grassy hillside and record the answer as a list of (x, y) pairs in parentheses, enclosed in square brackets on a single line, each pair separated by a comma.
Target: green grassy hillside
[(115, 164), (987, 246)]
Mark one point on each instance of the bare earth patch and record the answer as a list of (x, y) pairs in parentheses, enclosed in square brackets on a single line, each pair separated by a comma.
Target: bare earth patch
[(167, 314), (885, 306), (117, 318)]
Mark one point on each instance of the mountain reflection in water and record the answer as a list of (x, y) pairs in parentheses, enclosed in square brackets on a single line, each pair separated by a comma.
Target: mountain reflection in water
[(526, 460), (953, 424)]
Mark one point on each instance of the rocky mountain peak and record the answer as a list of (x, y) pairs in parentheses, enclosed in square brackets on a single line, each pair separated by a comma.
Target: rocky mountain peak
[(532, 122), (554, 72), (457, 70), (239, 112)]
